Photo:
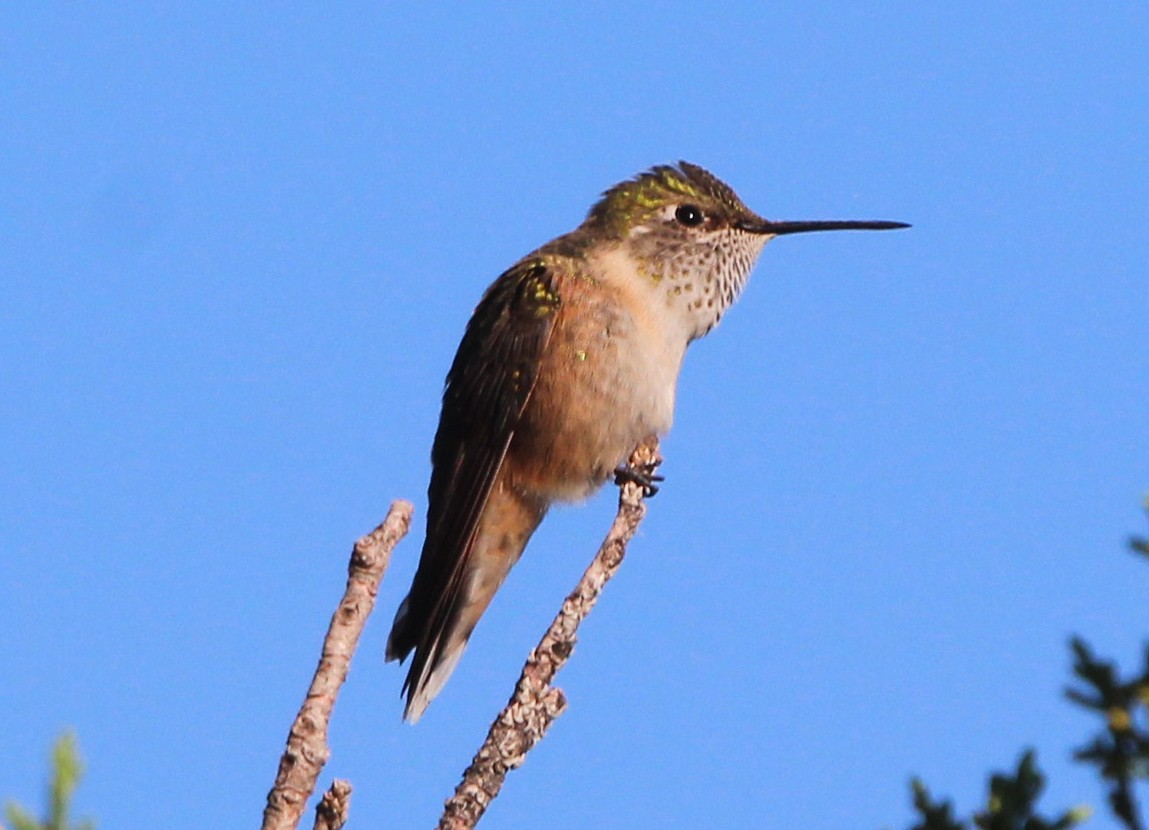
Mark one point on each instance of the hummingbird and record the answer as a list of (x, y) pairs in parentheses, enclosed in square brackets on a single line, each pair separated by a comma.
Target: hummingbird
[(570, 359)]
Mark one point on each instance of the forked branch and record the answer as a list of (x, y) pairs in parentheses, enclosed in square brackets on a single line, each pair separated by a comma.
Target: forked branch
[(307, 749)]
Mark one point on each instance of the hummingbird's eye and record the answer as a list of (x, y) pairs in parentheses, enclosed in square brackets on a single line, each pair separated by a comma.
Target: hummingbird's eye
[(689, 215)]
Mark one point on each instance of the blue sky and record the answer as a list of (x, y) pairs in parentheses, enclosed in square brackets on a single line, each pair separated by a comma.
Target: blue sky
[(238, 248)]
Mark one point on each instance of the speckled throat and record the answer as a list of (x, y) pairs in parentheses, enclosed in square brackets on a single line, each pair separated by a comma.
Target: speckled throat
[(702, 275)]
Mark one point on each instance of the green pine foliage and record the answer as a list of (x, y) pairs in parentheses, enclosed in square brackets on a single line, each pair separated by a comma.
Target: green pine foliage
[(1011, 804), (1119, 750), (1120, 747), (67, 769)]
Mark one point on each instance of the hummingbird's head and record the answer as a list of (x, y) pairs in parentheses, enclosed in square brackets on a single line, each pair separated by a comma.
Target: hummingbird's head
[(688, 230), (683, 201)]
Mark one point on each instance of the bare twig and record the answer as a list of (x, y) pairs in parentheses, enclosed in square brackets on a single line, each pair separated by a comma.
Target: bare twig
[(535, 703), (331, 811), (307, 749)]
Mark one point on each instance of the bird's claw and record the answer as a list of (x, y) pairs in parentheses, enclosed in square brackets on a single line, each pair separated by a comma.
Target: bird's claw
[(643, 476)]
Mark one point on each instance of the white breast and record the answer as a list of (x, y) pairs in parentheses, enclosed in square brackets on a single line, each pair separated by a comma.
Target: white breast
[(659, 338)]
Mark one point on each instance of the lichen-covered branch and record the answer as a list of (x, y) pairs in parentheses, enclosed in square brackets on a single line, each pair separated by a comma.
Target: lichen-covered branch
[(307, 749), (535, 703)]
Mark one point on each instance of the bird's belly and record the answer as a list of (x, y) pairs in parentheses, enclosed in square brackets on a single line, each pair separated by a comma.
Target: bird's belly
[(597, 396)]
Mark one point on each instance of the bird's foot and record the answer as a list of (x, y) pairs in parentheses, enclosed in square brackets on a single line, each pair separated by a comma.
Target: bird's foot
[(643, 476)]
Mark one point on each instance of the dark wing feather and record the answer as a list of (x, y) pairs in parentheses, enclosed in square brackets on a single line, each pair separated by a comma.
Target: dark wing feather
[(488, 387)]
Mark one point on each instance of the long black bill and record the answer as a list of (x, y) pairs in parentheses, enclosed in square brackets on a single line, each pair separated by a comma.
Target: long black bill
[(781, 228)]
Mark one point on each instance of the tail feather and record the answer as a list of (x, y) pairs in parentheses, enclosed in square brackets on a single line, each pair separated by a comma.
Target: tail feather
[(399, 641), (436, 624), (432, 675)]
